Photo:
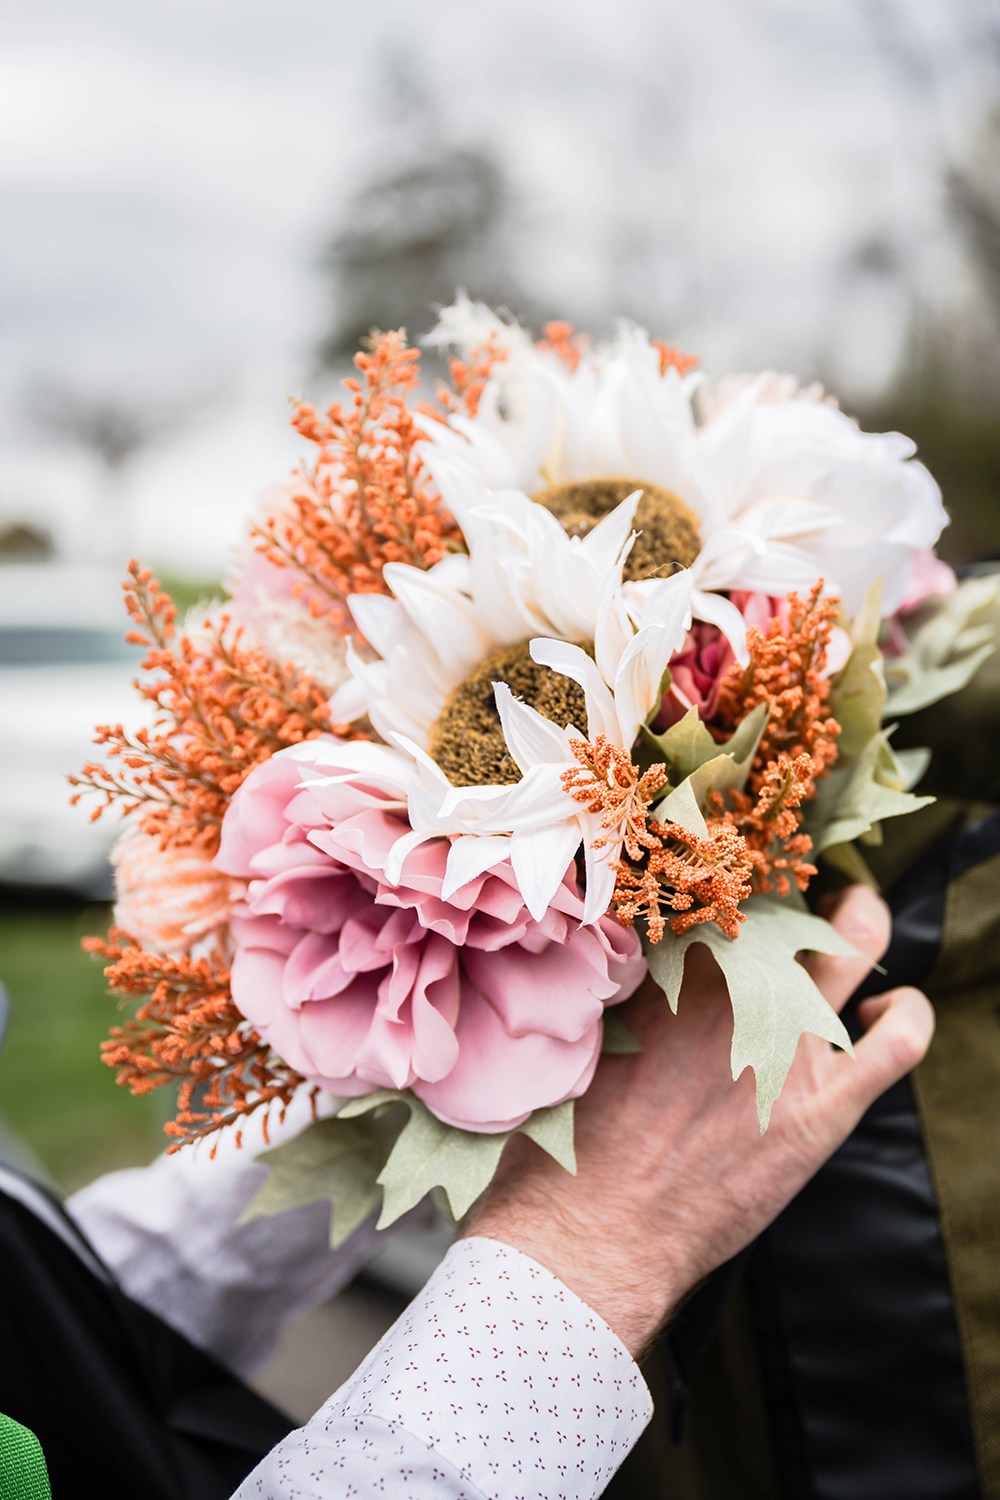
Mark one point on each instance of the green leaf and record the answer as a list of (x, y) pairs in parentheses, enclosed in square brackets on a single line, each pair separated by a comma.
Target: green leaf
[(552, 1129), (682, 806), (337, 1159), (722, 772), (857, 695), (617, 1037), (860, 796), (773, 998), (687, 745), (428, 1154), (948, 644)]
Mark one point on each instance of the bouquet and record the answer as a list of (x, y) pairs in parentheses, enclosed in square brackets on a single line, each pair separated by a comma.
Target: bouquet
[(519, 693)]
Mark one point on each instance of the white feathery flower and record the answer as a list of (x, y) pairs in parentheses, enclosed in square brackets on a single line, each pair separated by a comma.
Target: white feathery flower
[(785, 489), (445, 622)]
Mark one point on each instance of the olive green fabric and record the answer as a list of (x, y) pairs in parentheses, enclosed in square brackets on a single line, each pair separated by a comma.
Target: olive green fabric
[(23, 1475), (724, 1453), (958, 1095), (725, 1447)]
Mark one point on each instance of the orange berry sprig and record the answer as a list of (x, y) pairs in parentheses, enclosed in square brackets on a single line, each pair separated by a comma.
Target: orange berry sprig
[(223, 709), (785, 672), (702, 879), (189, 1033), (560, 339), (610, 784), (673, 358), (754, 843), (469, 376), (365, 501)]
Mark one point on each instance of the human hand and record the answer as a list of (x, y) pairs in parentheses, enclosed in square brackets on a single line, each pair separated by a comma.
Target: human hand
[(673, 1177)]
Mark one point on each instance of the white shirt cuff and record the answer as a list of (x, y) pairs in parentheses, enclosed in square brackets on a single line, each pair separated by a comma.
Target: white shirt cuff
[(500, 1370)]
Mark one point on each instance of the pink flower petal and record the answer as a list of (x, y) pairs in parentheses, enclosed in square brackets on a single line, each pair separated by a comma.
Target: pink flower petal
[(314, 971), (557, 992), (499, 1079), (334, 1031), (358, 984)]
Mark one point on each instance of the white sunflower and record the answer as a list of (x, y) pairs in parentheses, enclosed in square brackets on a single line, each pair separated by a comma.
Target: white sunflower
[(784, 488), (482, 681)]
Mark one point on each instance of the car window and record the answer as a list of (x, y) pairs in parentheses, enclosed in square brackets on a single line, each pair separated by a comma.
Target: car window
[(26, 645)]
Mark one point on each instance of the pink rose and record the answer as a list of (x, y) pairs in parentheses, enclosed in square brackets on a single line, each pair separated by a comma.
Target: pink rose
[(929, 577), (483, 1012), (696, 672)]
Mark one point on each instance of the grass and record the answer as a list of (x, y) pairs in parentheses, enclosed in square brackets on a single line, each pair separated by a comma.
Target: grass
[(55, 1093)]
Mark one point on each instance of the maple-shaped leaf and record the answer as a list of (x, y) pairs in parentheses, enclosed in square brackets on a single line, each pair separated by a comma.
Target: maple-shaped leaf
[(428, 1154), (774, 999), (855, 798), (687, 745), (950, 641), (336, 1158)]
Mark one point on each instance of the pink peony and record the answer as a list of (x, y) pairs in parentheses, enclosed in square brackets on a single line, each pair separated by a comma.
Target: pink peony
[(483, 1012)]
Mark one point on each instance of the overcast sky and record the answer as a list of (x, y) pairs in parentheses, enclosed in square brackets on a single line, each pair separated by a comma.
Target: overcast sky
[(761, 177)]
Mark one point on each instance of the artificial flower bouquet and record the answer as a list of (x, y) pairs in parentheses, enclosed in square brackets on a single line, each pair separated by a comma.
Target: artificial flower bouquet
[(518, 694)]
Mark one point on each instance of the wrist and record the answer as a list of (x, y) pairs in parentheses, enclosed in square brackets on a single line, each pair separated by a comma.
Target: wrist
[(633, 1297)]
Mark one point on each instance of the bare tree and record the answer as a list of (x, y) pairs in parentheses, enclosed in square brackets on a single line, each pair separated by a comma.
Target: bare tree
[(113, 429), (433, 216)]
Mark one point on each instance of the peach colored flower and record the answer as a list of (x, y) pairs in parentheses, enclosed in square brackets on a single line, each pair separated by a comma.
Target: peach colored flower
[(169, 899)]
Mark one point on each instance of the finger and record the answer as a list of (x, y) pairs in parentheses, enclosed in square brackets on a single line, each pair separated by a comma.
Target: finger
[(862, 917), (900, 1027)]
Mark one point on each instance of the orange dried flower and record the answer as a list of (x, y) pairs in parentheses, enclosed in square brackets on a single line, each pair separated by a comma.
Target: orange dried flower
[(223, 710), (610, 784), (190, 1034), (559, 338), (785, 672), (770, 824), (704, 879), (672, 357), (469, 376), (364, 502)]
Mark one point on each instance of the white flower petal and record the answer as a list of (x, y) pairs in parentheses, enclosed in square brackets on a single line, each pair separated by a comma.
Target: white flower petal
[(719, 611), (605, 542), (537, 800), (377, 617), (639, 679), (572, 662), (600, 873), (539, 857), (442, 616), (531, 739), (470, 857), (400, 849)]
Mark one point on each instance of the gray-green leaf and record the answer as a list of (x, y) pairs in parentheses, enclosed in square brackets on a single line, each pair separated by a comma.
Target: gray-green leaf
[(773, 998), (428, 1154), (334, 1158)]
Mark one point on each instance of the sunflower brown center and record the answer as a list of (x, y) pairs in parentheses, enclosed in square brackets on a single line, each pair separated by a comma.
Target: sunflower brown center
[(467, 741), (668, 531)]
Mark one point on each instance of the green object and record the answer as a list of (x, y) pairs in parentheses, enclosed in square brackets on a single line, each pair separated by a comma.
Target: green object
[(374, 1154), (55, 1093), (23, 1475), (774, 999)]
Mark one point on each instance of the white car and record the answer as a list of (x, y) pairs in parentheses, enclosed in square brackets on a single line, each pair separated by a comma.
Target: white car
[(64, 667)]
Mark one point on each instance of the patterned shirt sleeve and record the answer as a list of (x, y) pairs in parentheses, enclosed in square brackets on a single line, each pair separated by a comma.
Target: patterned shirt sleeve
[(497, 1383)]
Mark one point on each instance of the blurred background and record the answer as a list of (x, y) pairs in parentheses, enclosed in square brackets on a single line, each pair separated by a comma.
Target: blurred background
[(204, 204)]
